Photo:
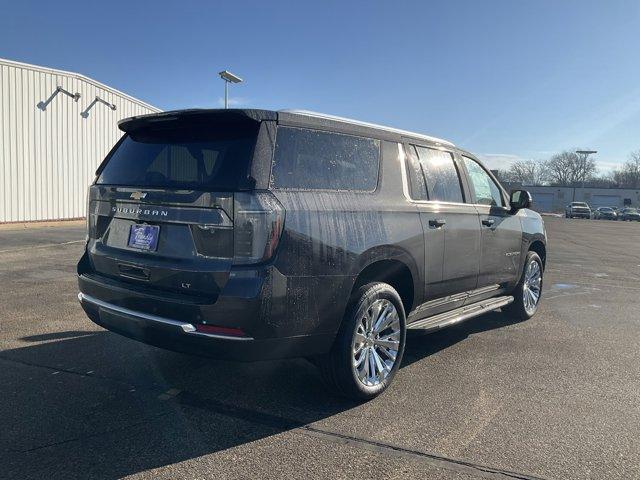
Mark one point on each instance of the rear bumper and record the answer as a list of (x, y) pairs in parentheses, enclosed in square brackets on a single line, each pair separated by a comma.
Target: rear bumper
[(171, 324), (183, 337)]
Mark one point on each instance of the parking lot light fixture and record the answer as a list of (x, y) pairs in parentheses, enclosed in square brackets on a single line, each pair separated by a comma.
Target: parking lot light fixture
[(228, 78), (586, 154)]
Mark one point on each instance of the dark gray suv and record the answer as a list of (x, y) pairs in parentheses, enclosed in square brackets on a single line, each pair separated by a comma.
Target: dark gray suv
[(252, 234)]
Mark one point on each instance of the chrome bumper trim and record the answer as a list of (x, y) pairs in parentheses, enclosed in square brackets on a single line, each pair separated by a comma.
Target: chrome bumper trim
[(187, 328)]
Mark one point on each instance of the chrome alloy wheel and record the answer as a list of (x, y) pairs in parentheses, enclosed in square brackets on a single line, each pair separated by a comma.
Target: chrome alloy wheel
[(532, 286), (376, 343)]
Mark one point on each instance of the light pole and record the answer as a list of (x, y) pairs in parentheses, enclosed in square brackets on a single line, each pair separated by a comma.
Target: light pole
[(228, 78), (586, 154)]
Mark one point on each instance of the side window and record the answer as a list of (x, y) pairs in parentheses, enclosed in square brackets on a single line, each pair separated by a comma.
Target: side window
[(316, 160), (486, 191), (440, 175), (417, 188)]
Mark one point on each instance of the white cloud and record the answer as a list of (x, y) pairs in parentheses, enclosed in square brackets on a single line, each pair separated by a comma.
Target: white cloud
[(500, 161), (234, 101), (606, 167)]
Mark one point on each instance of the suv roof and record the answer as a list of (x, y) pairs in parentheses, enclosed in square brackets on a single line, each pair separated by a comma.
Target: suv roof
[(404, 133), (291, 117)]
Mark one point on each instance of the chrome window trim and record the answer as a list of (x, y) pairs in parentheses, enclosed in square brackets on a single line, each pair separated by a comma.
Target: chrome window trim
[(187, 328)]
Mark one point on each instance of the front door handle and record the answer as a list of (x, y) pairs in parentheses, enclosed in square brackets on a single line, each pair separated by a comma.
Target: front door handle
[(488, 222), (437, 222)]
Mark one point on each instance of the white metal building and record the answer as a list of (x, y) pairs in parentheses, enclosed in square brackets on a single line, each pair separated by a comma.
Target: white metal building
[(554, 199), (55, 128)]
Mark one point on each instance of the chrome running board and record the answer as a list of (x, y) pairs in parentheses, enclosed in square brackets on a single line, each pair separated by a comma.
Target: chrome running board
[(460, 314)]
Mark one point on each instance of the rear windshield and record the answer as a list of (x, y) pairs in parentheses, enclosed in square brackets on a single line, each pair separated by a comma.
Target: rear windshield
[(579, 204), (208, 157)]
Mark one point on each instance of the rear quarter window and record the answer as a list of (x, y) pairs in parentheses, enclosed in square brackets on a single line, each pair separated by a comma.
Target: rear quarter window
[(317, 160)]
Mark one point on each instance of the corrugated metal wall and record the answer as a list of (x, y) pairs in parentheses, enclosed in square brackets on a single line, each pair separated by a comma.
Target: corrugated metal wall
[(555, 199), (48, 158)]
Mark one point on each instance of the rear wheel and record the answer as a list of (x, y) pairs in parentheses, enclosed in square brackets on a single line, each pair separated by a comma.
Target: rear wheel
[(369, 346), (526, 295)]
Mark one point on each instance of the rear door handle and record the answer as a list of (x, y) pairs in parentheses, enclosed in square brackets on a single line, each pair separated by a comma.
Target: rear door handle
[(488, 222), (437, 222)]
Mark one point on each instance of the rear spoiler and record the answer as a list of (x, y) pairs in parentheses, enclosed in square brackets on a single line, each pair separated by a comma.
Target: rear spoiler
[(132, 124)]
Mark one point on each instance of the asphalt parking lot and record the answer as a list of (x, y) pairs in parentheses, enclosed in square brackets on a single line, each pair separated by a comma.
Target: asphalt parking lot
[(557, 396)]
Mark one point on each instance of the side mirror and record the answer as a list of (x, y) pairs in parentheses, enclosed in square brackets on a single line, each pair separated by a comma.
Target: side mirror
[(520, 199)]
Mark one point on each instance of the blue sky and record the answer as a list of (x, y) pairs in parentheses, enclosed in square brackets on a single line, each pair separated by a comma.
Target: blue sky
[(504, 79)]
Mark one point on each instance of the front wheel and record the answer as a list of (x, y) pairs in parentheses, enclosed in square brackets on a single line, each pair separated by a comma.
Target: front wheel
[(368, 348), (526, 295)]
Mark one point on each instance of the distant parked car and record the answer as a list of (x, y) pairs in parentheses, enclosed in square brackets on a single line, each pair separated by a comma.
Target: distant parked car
[(629, 214), (605, 213), (577, 210)]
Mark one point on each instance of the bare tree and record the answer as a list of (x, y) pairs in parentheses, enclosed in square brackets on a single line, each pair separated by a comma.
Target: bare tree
[(601, 181), (569, 168), (502, 175), (528, 172), (628, 176)]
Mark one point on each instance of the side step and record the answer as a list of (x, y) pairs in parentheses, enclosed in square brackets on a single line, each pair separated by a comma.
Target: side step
[(460, 314)]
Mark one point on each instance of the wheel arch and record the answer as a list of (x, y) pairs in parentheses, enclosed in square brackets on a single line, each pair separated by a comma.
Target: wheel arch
[(541, 249), (398, 270)]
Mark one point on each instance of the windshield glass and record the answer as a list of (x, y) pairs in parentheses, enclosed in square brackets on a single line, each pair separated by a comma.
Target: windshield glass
[(194, 157)]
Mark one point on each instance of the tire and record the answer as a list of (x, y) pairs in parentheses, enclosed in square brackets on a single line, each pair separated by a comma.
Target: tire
[(521, 308), (340, 369)]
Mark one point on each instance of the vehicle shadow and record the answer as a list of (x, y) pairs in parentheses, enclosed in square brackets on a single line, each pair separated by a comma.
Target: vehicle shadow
[(421, 345), (80, 405)]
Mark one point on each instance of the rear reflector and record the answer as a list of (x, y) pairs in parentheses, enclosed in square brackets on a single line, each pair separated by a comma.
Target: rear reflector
[(215, 330)]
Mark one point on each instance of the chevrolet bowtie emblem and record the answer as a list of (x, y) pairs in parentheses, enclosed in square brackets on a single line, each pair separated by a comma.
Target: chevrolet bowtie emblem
[(138, 195)]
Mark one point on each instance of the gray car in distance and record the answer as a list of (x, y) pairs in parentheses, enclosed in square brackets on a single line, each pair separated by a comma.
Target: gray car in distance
[(255, 234), (629, 215), (605, 213)]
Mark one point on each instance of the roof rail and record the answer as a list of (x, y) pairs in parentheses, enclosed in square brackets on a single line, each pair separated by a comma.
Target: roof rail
[(366, 124)]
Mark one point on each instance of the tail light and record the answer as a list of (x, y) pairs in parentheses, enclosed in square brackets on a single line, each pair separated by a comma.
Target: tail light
[(96, 224), (91, 218), (258, 220), (213, 240)]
